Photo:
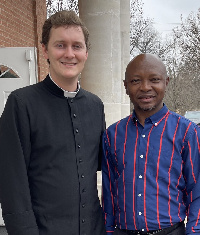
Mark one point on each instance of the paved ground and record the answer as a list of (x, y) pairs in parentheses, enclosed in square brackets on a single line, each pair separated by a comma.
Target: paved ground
[(3, 231)]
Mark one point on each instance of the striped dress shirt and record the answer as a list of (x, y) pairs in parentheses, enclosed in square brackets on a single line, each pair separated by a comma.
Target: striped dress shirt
[(151, 174)]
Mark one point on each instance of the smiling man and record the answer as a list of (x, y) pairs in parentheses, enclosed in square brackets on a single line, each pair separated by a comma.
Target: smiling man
[(50, 142), (145, 83), (151, 161)]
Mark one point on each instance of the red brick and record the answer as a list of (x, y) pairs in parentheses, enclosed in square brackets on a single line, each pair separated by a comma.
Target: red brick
[(19, 28)]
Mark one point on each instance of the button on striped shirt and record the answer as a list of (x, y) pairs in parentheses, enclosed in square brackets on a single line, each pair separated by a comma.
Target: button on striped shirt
[(151, 174)]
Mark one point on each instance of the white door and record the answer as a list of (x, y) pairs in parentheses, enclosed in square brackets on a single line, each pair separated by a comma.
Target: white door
[(18, 68)]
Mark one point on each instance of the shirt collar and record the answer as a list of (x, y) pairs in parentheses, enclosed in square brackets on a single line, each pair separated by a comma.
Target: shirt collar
[(68, 94), (155, 118)]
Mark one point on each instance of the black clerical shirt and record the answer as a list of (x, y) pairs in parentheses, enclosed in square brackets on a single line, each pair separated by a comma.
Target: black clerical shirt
[(49, 155)]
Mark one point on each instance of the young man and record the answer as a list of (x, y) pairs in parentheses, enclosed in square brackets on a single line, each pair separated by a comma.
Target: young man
[(50, 137), (151, 162)]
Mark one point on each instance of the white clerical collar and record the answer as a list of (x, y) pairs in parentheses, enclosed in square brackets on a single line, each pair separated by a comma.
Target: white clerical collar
[(68, 94)]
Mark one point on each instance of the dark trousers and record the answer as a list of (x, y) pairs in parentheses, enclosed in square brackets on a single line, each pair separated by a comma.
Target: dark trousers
[(178, 229)]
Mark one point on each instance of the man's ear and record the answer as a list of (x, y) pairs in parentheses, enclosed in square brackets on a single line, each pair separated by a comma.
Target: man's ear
[(126, 88), (86, 55), (45, 51), (167, 81)]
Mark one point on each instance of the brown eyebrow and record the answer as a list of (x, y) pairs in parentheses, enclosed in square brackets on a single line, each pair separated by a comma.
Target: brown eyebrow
[(62, 41), (58, 42)]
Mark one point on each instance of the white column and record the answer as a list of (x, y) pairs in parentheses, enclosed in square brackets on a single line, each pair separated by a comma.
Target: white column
[(125, 52), (108, 22)]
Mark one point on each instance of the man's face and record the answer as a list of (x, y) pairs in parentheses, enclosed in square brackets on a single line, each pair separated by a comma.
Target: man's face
[(145, 84), (66, 52)]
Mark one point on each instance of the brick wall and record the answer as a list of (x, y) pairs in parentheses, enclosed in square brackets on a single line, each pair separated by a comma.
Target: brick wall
[(21, 26), (40, 17)]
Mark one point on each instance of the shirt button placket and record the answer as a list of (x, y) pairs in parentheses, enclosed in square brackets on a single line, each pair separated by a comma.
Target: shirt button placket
[(141, 162), (140, 176), (80, 165)]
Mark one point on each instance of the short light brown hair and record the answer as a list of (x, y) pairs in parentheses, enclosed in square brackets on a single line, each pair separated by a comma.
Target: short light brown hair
[(63, 18)]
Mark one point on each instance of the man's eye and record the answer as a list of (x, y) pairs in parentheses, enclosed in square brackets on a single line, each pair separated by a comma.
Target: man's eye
[(135, 81), (77, 46), (155, 79), (59, 45)]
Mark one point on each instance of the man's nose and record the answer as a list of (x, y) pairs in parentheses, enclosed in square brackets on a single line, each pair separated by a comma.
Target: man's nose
[(69, 52), (145, 85)]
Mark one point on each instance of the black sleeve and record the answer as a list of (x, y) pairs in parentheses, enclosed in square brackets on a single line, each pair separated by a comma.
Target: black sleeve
[(15, 150)]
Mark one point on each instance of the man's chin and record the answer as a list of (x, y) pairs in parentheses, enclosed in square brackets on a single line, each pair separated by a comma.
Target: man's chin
[(147, 109)]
